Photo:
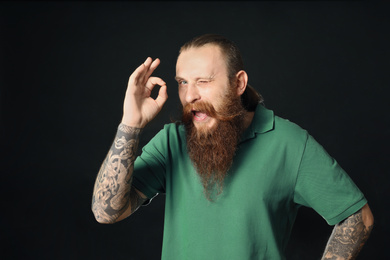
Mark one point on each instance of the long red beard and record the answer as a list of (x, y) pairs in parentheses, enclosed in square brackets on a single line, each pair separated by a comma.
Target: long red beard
[(212, 150)]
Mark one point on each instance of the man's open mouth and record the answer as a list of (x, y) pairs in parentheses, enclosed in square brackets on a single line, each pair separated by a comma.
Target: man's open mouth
[(199, 116)]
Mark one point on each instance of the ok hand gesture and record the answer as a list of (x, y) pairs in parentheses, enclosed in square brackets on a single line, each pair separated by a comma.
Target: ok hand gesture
[(139, 107)]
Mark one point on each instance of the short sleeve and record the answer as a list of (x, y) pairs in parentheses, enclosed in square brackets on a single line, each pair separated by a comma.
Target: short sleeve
[(324, 186), (149, 167)]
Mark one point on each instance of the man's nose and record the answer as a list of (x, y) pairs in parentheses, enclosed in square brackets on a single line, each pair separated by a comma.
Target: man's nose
[(192, 93)]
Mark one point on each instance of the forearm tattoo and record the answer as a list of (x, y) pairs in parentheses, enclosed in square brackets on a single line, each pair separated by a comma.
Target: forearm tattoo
[(347, 239), (112, 193)]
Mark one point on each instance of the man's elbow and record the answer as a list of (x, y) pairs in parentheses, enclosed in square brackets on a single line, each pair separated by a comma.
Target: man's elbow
[(102, 219), (368, 217)]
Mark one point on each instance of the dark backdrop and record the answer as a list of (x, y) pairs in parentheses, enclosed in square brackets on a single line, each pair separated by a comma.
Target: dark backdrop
[(63, 75)]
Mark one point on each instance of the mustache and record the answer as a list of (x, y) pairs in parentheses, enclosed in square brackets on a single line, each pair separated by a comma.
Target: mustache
[(205, 107)]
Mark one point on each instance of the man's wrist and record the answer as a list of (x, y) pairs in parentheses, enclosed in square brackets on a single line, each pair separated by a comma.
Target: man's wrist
[(129, 129)]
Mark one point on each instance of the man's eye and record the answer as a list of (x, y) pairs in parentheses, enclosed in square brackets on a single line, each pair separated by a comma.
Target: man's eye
[(183, 82), (203, 81)]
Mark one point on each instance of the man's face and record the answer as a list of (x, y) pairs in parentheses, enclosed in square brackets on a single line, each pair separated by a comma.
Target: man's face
[(202, 77), (212, 113)]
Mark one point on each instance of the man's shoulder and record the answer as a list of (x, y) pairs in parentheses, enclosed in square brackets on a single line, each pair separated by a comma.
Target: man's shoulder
[(287, 131), (171, 131), (171, 135), (288, 126), (174, 127), (280, 126)]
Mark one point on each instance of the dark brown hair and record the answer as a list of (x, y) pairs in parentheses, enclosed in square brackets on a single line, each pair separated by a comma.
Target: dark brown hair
[(250, 98)]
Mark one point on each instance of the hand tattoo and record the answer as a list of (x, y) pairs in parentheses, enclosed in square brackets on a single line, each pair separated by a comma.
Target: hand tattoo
[(112, 192), (348, 238)]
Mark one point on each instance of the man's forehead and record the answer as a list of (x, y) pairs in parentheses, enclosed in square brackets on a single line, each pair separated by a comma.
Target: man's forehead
[(206, 61)]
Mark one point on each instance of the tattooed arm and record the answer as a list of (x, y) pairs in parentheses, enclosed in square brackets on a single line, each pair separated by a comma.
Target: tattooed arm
[(349, 236), (113, 197)]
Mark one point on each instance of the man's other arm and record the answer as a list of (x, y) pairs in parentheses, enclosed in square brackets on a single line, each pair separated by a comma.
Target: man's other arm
[(349, 236)]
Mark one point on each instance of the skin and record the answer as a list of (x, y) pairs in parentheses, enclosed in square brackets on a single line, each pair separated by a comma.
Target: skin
[(113, 197), (349, 236), (202, 75)]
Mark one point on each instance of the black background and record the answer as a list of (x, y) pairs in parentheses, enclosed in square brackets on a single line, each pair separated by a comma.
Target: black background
[(63, 75)]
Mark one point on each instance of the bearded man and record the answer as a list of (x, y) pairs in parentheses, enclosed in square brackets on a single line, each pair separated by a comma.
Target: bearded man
[(234, 174)]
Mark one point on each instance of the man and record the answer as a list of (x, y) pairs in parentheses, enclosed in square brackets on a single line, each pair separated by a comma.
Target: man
[(234, 174)]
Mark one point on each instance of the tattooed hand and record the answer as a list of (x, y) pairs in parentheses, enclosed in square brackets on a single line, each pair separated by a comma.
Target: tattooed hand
[(113, 198), (349, 236)]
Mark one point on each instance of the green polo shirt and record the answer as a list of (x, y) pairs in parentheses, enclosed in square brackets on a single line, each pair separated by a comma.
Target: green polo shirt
[(278, 167)]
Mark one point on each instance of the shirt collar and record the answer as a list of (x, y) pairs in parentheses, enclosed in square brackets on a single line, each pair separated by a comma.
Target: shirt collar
[(262, 122)]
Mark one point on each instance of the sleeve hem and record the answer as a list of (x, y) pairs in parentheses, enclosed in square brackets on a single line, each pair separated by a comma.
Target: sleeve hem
[(142, 188), (348, 212)]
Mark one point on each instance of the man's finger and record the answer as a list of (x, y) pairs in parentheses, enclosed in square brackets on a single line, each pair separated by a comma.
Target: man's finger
[(142, 74), (138, 74), (150, 69), (153, 81)]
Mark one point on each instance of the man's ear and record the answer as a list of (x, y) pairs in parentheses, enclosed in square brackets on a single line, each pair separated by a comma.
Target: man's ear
[(241, 81)]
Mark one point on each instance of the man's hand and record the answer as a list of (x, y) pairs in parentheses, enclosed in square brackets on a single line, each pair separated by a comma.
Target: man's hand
[(139, 108)]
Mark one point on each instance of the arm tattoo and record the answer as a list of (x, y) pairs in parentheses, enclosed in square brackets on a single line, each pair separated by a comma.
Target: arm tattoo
[(347, 239), (112, 193)]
